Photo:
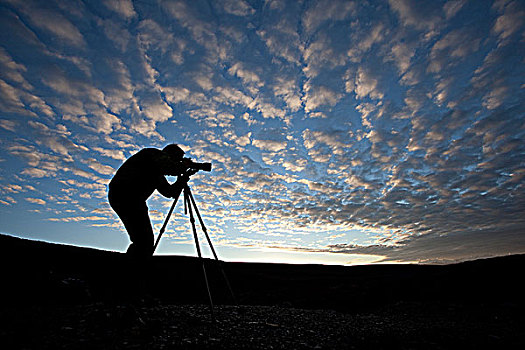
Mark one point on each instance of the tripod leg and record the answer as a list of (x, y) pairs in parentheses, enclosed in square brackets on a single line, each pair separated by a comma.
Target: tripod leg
[(163, 228), (192, 220), (205, 230)]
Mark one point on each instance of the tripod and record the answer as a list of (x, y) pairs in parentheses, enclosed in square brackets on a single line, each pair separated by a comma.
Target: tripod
[(190, 206)]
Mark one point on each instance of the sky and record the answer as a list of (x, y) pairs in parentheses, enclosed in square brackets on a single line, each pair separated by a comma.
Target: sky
[(340, 132)]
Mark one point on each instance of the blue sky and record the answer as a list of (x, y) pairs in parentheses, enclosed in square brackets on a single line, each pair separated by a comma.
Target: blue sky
[(339, 131)]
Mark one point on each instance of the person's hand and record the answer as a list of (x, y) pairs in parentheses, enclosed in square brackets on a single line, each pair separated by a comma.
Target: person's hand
[(185, 177)]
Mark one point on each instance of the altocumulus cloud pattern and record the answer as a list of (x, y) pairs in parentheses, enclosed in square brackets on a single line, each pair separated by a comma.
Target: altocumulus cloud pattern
[(392, 129)]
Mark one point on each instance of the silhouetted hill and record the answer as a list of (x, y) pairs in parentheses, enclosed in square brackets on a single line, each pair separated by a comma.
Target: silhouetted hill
[(63, 297), (36, 271)]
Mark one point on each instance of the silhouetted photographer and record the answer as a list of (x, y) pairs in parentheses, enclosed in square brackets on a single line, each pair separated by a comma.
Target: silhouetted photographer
[(137, 179)]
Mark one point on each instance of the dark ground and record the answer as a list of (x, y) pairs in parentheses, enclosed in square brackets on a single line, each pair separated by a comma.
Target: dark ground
[(57, 296)]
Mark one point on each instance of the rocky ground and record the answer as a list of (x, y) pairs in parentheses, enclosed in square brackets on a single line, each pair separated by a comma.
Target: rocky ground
[(154, 325)]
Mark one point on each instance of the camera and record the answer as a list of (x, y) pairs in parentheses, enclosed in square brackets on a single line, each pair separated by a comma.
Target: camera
[(198, 166), (185, 166)]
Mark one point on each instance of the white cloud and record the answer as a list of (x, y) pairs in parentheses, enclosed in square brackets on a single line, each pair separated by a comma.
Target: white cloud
[(364, 85), (10, 99), (57, 139), (153, 107), (123, 7), (52, 21), (269, 145), (98, 167), (288, 90), (319, 96), (12, 71), (98, 121), (36, 201), (495, 98), (64, 84), (18, 101), (38, 173), (452, 7), (204, 81), (221, 120), (312, 139), (237, 7), (321, 11), (402, 55), (417, 13), (248, 77), (456, 44), (243, 140), (201, 29), (8, 125), (118, 34), (364, 44), (279, 31), (111, 153), (153, 36), (510, 21), (230, 97)]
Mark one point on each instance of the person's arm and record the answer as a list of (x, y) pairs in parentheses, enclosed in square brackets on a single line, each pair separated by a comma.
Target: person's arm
[(164, 187), (173, 190), (178, 186)]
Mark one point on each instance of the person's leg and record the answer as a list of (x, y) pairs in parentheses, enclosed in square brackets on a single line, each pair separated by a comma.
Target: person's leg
[(133, 280), (137, 223), (134, 216)]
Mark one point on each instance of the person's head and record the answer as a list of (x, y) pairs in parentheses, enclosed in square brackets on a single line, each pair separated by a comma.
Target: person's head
[(174, 152)]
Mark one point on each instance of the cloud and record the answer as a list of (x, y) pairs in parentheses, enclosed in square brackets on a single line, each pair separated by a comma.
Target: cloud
[(64, 84), (36, 201), (152, 36), (123, 7), (79, 219), (10, 100), (110, 153), (118, 34), (287, 89), (200, 28), (313, 139), (419, 14), (363, 39), (154, 108), (96, 121), (452, 7), (98, 167), (35, 172), (457, 44), (248, 77), (12, 71), (20, 102), (51, 21), (56, 139), (269, 145), (237, 7), (321, 11), (320, 96), (444, 249), (402, 55), (363, 85), (510, 21)]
